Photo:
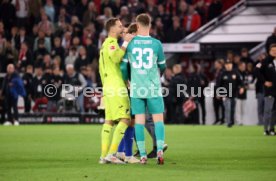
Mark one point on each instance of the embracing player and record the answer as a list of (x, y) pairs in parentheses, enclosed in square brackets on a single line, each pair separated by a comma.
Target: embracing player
[(146, 57), (115, 95)]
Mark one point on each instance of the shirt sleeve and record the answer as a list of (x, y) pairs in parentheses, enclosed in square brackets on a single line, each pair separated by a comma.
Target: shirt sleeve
[(115, 52), (125, 68), (160, 56)]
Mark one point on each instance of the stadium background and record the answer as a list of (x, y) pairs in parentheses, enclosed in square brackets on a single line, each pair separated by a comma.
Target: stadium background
[(208, 30), (219, 29)]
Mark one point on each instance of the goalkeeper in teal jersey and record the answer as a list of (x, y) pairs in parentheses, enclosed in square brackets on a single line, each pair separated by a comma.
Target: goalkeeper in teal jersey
[(146, 57)]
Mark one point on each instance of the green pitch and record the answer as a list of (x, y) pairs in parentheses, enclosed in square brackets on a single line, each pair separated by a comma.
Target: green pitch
[(71, 152)]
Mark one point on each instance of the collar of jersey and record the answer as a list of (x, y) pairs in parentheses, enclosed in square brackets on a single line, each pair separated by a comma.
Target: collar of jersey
[(112, 38), (143, 36)]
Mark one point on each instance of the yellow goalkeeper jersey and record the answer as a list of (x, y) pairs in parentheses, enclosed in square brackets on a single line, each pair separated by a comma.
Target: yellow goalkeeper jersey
[(110, 57), (115, 95)]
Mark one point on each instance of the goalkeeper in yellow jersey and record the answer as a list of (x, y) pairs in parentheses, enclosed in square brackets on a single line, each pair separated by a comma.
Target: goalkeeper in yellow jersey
[(115, 95)]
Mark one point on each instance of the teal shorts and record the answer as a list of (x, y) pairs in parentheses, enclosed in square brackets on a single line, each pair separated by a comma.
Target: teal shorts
[(152, 105)]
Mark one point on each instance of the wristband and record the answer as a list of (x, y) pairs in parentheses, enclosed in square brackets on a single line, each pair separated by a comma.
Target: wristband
[(125, 44)]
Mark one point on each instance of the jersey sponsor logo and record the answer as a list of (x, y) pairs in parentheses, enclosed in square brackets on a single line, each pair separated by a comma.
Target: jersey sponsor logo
[(112, 47)]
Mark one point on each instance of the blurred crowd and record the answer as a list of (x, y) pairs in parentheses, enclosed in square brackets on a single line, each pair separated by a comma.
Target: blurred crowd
[(236, 68), (43, 33), (57, 41), (242, 75)]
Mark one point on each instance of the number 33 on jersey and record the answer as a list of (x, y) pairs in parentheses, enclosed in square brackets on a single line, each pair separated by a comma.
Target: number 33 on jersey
[(145, 56)]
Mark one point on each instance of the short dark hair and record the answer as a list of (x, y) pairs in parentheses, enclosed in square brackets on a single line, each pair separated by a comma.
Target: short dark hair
[(143, 19), (272, 46), (132, 28), (110, 23)]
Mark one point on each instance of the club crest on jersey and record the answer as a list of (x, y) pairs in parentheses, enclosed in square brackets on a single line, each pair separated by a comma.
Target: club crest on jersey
[(234, 76), (225, 77), (270, 65)]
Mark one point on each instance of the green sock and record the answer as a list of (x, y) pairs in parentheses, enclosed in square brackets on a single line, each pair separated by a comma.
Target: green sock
[(140, 139), (160, 134), (106, 131), (117, 137)]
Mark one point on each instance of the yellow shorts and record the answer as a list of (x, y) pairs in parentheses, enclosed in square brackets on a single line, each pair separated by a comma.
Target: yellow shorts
[(116, 107)]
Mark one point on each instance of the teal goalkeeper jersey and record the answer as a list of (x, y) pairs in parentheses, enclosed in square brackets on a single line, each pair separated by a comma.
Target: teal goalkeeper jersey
[(145, 56)]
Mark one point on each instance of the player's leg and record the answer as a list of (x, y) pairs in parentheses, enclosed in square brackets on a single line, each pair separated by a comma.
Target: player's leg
[(140, 136), (120, 111), (151, 130), (106, 130), (138, 108), (116, 139), (156, 108), (121, 150), (149, 124), (105, 139), (118, 135), (160, 135), (128, 139)]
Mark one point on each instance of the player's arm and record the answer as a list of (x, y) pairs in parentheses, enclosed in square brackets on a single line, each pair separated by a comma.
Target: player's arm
[(101, 67), (161, 60), (116, 52), (125, 68)]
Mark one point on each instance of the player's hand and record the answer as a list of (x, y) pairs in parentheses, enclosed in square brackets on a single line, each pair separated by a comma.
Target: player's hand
[(128, 37), (268, 84)]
